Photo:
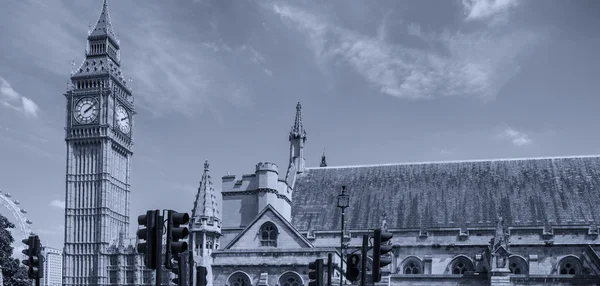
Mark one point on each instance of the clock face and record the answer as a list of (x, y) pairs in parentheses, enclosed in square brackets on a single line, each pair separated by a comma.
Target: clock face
[(123, 121), (86, 110)]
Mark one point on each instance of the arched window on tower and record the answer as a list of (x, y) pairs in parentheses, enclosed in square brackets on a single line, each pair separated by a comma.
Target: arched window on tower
[(570, 265), (290, 279), (518, 265), (461, 265), (412, 265), (268, 234), (209, 243), (239, 279)]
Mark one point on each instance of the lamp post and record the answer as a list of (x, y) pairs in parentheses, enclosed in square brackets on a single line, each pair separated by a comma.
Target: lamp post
[(343, 200)]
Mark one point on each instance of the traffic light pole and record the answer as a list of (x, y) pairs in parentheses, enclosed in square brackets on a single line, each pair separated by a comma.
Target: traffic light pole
[(37, 281), (342, 251), (363, 260), (329, 268), (158, 249)]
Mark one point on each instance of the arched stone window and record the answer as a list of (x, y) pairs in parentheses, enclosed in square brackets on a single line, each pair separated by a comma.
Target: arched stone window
[(268, 234), (412, 265), (290, 279), (569, 266), (517, 265), (460, 265), (239, 279)]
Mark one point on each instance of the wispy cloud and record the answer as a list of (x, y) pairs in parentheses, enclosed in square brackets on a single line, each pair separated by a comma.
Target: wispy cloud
[(56, 25), (185, 188), (171, 73), (12, 99), (21, 134), (175, 75), (54, 230), (515, 137), (476, 64), (485, 9), (57, 204)]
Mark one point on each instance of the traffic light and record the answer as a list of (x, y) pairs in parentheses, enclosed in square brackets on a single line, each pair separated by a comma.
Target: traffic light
[(152, 235), (175, 269), (35, 259), (174, 233), (180, 269), (353, 269), (201, 279), (380, 247), (315, 273)]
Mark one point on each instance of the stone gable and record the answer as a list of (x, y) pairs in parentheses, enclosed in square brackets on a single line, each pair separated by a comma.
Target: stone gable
[(287, 236)]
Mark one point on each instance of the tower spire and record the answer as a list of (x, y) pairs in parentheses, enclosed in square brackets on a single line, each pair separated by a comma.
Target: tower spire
[(206, 204), (205, 224), (297, 140), (298, 130), (323, 160), (103, 27)]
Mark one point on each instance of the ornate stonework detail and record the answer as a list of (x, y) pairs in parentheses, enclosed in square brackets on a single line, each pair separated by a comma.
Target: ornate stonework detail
[(98, 162)]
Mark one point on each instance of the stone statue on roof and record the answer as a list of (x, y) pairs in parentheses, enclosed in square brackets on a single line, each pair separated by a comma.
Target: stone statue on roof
[(384, 225), (500, 245)]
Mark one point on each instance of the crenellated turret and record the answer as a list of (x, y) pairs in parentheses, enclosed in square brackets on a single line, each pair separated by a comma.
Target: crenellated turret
[(267, 177), (267, 174)]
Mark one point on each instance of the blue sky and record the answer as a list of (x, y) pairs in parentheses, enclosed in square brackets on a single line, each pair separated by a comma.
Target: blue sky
[(379, 81)]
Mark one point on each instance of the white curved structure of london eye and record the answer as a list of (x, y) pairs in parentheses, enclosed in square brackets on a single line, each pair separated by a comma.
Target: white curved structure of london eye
[(22, 224)]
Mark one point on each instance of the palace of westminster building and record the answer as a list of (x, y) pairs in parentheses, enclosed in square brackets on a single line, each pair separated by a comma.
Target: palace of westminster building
[(494, 222)]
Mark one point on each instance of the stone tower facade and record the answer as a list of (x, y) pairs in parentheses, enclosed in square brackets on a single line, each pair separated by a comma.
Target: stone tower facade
[(252, 193), (205, 225), (99, 123)]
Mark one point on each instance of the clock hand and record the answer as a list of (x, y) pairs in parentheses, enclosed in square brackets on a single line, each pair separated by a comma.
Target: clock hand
[(122, 119), (88, 109)]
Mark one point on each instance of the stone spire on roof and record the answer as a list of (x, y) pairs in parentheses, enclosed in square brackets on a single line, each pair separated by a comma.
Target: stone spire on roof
[(103, 27), (323, 160), (298, 130), (500, 238), (206, 203)]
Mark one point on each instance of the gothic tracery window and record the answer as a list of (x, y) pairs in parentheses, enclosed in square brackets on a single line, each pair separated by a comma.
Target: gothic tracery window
[(517, 265), (461, 265), (114, 260), (239, 279), (290, 279), (569, 266), (412, 266), (268, 234)]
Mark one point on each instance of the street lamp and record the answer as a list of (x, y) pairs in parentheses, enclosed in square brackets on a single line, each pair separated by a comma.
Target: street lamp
[(343, 200)]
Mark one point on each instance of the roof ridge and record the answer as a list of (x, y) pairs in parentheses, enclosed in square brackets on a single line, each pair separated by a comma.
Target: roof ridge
[(455, 161)]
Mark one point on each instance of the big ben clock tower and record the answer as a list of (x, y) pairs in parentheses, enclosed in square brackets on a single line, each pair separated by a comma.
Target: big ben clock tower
[(99, 123)]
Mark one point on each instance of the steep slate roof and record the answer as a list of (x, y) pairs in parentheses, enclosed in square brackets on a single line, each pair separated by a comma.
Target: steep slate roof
[(103, 26), (532, 192)]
